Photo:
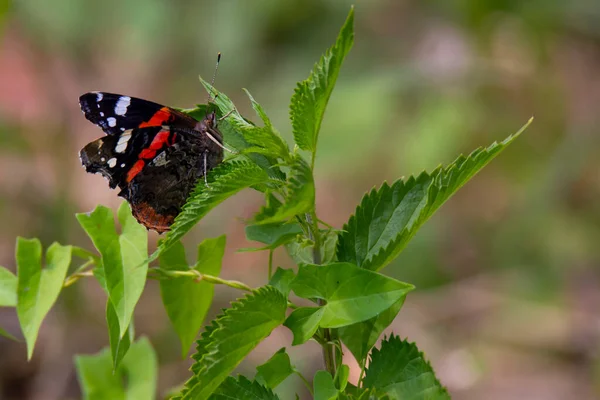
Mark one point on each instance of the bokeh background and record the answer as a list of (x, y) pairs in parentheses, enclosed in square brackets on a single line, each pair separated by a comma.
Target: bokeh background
[(508, 278)]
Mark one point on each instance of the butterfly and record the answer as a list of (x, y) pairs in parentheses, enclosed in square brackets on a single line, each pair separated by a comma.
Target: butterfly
[(153, 153)]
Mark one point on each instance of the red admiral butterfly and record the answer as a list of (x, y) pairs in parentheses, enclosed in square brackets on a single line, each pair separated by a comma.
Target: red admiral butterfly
[(153, 153)]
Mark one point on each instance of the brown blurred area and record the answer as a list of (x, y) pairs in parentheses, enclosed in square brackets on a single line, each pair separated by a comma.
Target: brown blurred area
[(507, 304)]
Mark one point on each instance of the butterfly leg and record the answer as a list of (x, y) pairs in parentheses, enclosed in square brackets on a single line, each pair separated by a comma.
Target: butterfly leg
[(205, 167)]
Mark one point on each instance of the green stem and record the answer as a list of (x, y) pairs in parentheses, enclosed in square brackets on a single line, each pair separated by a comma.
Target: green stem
[(306, 382), (315, 235), (270, 263), (193, 273)]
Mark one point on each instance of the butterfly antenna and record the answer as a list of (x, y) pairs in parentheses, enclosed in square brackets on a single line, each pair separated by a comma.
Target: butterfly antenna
[(212, 82)]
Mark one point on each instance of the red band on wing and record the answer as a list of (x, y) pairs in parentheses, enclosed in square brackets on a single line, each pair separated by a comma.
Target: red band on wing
[(136, 169), (159, 118), (161, 139)]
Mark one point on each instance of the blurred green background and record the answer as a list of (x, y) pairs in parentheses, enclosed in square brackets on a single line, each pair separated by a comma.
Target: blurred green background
[(507, 272)]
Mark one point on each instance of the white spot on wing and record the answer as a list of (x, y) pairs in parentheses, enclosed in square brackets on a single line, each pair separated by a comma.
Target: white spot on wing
[(102, 158), (101, 114), (111, 121), (122, 165), (122, 104), (112, 162), (99, 97), (160, 159), (122, 143)]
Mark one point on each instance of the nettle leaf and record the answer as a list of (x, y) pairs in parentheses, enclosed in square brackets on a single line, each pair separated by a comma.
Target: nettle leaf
[(388, 217), (282, 279), (362, 336), (265, 141), (299, 195), (324, 388), (37, 287), (273, 235), (135, 379), (185, 300), (224, 181), (275, 370), (301, 250), (119, 346), (401, 371), (352, 294), (242, 389), (231, 337), (124, 257), (311, 96), (304, 322), (8, 288)]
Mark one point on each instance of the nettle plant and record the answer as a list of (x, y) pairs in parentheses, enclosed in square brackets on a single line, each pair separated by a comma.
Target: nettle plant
[(338, 270)]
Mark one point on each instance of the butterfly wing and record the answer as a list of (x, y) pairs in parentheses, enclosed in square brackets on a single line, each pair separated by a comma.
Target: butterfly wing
[(115, 113)]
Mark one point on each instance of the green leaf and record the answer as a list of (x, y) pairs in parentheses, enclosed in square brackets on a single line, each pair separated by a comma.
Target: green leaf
[(275, 370), (401, 371), (341, 377), (362, 336), (311, 96), (264, 144), (37, 287), (185, 300), (301, 250), (8, 288), (7, 335), (273, 235), (324, 388), (299, 195), (242, 389), (303, 322), (123, 257), (282, 279), (138, 371), (119, 346), (225, 180), (352, 294), (389, 217), (231, 337)]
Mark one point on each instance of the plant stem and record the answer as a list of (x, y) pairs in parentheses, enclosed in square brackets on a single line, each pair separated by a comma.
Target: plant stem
[(270, 263), (203, 277), (306, 382), (315, 236)]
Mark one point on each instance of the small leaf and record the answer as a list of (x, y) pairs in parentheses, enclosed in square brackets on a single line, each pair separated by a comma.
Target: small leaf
[(341, 378), (273, 235), (282, 279), (138, 371), (301, 250), (362, 336), (401, 371), (275, 370), (7, 335), (123, 257), (8, 288), (242, 389), (119, 346), (245, 136), (185, 300), (299, 195), (311, 96), (303, 322), (225, 180), (231, 337), (352, 294), (324, 388), (37, 287), (389, 217)]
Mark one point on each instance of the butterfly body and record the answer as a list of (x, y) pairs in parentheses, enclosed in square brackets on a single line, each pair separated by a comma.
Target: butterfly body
[(153, 153)]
